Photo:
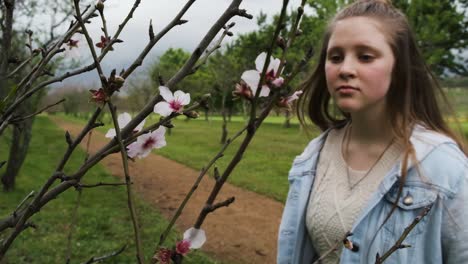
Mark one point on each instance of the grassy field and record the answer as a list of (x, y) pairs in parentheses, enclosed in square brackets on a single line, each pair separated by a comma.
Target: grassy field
[(264, 166), (104, 223)]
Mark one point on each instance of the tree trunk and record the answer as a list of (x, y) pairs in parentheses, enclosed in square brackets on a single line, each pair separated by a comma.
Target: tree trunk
[(224, 131), (287, 120), (18, 150)]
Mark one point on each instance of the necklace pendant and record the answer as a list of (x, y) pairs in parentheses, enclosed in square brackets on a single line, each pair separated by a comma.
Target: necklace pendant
[(408, 200)]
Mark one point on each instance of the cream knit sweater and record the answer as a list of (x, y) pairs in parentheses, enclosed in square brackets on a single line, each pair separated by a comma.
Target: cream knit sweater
[(334, 205)]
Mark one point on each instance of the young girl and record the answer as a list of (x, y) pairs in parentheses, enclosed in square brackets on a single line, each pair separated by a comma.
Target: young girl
[(390, 158)]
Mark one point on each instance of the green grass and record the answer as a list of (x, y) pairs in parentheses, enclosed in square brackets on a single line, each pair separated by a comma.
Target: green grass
[(265, 165), (104, 224)]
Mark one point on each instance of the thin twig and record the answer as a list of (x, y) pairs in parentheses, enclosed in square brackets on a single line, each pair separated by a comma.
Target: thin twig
[(399, 243), (292, 36), (73, 221), (19, 119), (37, 70), (101, 184), (90, 44), (24, 63), (203, 172), (99, 259), (90, 67), (131, 206), (18, 207), (88, 143), (273, 42), (216, 46), (251, 127)]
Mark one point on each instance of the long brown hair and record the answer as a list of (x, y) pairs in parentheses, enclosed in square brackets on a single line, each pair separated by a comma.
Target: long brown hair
[(412, 96)]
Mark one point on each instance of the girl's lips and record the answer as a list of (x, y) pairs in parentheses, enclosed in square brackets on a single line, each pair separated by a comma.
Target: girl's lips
[(346, 89)]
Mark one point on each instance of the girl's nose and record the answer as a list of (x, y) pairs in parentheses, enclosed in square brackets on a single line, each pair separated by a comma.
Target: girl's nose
[(347, 69)]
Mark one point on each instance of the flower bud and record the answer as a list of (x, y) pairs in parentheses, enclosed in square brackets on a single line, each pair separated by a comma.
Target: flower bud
[(100, 5), (98, 96), (281, 43), (191, 114), (119, 81)]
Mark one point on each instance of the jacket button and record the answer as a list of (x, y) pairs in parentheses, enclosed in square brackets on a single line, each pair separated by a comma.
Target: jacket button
[(350, 245), (408, 200)]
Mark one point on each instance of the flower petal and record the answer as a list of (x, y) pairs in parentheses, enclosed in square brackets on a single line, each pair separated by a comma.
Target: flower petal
[(260, 61), (111, 133), (265, 91), (123, 119), (274, 65), (159, 137), (294, 96), (251, 77), (163, 108), (144, 153), (278, 82), (196, 237), (181, 97), (133, 149), (166, 93)]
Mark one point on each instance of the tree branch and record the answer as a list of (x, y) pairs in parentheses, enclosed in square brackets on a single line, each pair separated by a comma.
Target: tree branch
[(399, 243), (19, 119)]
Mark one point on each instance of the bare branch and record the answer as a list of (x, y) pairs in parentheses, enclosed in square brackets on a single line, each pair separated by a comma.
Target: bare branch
[(99, 259), (18, 207), (216, 46), (101, 184), (90, 45), (399, 243), (24, 63), (19, 119), (203, 172), (131, 206), (73, 221)]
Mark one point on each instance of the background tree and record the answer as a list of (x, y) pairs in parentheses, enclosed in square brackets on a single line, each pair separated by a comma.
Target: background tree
[(18, 42)]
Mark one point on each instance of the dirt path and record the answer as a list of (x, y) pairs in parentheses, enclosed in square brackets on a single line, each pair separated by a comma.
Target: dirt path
[(244, 232)]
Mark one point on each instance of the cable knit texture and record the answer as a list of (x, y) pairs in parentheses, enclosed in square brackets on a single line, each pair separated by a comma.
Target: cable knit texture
[(334, 205)]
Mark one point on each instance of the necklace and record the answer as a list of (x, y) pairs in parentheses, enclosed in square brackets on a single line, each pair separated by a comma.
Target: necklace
[(347, 138)]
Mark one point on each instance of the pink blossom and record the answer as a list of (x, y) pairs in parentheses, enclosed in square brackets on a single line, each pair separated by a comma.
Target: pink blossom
[(146, 142), (98, 96), (252, 77), (72, 47), (173, 102), (72, 43), (164, 256), (242, 90), (183, 247), (123, 119), (287, 101), (104, 42)]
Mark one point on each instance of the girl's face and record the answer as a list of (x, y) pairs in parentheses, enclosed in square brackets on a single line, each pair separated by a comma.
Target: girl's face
[(359, 65)]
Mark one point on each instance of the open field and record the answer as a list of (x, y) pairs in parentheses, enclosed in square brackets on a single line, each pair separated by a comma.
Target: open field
[(103, 223), (264, 166)]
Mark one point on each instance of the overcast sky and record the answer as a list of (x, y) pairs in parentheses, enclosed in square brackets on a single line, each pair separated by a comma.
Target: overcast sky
[(201, 16)]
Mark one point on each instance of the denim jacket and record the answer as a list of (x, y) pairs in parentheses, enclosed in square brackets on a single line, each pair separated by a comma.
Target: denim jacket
[(440, 180)]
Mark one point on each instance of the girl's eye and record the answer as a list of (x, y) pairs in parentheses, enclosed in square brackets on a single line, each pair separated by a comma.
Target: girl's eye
[(366, 58), (334, 58)]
